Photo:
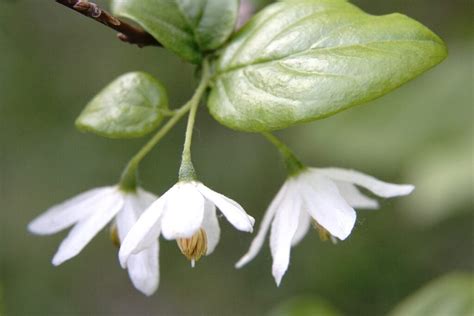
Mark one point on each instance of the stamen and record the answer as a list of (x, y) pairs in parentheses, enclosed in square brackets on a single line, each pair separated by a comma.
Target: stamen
[(194, 247), (324, 235), (114, 237)]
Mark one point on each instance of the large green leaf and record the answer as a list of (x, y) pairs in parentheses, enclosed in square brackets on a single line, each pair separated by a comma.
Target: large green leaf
[(130, 106), (187, 27), (302, 60), (451, 295)]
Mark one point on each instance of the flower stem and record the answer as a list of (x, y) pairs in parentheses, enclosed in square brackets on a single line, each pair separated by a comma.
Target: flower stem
[(293, 165), (128, 180), (186, 170)]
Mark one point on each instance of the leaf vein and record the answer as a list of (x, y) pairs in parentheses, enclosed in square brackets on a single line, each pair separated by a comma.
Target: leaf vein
[(367, 45)]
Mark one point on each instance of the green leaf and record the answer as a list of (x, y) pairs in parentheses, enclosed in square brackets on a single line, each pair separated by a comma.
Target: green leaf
[(302, 60), (130, 106), (451, 295), (186, 27)]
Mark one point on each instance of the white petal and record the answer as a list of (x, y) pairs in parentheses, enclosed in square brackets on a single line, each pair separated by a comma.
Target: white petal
[(284, 227), (145, 231), (71, 211), (143, 269), (257, 242), (133, 208), (128, 216), (145, 198), (210, 224), (87, 228), (354, 197), (184, 211), (380, 188), (304, 223), (326, 205), (232, 210)]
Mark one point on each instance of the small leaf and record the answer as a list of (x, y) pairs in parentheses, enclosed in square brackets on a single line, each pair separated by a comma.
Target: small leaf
[(130, 106), (451, 295), (301, 60), (186, 27)]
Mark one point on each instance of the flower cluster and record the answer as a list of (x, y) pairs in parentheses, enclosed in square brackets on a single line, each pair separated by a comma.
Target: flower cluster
[(292, 86), (187, 213)]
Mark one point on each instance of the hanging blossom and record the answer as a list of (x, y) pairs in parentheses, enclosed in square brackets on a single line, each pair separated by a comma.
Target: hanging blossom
[(325, 198), (89, 213), (187, 214)]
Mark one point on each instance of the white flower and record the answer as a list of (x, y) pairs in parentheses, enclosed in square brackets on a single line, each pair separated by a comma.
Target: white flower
[(187, 213), (326, 197), (90, 212)]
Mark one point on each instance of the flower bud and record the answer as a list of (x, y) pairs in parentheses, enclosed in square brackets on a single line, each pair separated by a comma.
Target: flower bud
[(194, 247)]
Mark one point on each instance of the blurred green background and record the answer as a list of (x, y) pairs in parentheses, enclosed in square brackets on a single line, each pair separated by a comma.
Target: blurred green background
[(53, 61)]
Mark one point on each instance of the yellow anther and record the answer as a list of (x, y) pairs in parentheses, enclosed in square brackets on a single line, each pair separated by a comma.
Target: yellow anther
[(194, 247), (324, 235), (114, 237)]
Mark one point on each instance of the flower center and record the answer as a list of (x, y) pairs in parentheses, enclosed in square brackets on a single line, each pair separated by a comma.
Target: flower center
[(194, 247)]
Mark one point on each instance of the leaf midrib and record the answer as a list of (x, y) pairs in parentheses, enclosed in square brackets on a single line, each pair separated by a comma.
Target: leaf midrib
[(192, 28), (268, 60)]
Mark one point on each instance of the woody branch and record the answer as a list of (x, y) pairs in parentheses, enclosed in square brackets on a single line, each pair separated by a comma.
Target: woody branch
[(127, 33)]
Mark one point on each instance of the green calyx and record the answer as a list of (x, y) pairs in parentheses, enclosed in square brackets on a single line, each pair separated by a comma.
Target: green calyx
[(293, 165), (186, 171), (129, 178)]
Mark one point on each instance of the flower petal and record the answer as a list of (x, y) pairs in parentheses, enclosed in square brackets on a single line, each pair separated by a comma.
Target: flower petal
[(133, 208), (143, 269), (211, 225), (144, 199), (326, 205), (284, 227), (69, 212), (83, 232), (232, 210), (304, 223), (128, 216), (184, 211), (354, 197), (257, 242), (145, 231), (380, 188)]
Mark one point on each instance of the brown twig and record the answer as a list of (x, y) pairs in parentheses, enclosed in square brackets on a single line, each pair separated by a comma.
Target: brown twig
[(127, 32)]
